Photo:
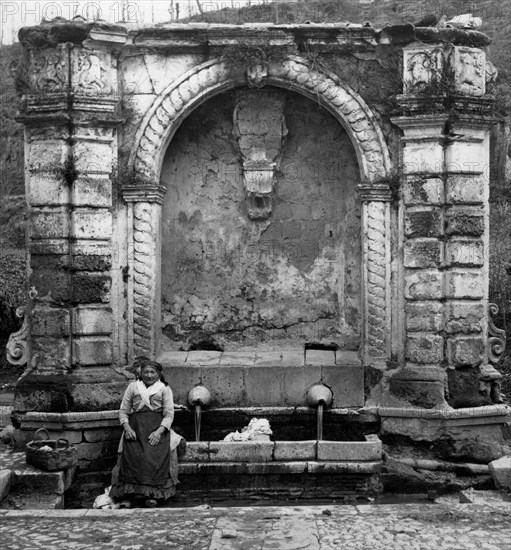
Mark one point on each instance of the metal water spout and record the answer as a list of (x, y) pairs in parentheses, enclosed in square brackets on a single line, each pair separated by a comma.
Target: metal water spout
[(198, 397), (319, 396)]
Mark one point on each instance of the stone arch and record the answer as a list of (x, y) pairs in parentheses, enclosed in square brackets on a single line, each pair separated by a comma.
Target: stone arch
[(156, 132), (199, 84)]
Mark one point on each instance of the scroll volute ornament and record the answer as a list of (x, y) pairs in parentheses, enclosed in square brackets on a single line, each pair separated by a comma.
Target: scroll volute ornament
[(496, 337), (17, 345), (489, 377), (260, 130)]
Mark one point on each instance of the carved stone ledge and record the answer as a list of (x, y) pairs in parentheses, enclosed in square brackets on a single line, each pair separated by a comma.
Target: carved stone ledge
[(422, 103), (425, 121), (477, 105)]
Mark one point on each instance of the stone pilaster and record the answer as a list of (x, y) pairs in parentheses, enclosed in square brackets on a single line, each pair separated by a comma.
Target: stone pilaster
[(444, 198), (422, 194), (466, 261), (71, 150)]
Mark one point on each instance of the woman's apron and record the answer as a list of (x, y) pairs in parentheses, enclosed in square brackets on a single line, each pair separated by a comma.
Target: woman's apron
[(141, 462)]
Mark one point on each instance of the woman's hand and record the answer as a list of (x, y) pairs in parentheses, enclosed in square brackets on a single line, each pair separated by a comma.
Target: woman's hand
[(154, 437), (129, 432)]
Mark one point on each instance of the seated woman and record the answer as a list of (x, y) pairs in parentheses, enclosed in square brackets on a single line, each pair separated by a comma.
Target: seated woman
[(147, 465)]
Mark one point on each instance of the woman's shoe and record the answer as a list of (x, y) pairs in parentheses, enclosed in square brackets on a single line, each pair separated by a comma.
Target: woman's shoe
[(151, 503)]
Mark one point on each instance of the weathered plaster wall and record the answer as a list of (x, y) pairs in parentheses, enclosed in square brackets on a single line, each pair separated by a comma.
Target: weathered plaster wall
[(285, 281)]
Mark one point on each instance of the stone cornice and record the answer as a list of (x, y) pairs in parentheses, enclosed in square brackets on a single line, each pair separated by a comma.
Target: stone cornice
[(420, 121), (205, 34)]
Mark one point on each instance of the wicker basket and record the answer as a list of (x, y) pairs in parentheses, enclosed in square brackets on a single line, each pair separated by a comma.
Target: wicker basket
[(60, 456)]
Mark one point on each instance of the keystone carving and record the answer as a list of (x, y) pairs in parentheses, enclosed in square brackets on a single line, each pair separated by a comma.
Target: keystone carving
[(257, 75)]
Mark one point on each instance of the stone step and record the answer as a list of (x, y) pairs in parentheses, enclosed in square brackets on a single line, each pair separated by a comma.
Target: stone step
[(5, 483), (29, 480), (35, 501), (27, 487)]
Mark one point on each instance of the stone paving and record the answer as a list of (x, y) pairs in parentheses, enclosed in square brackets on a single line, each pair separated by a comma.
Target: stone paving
[(446, 525)]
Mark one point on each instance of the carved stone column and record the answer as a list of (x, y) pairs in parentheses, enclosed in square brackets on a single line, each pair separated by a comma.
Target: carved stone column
[(144, 269), (445, 167), (376, 333)]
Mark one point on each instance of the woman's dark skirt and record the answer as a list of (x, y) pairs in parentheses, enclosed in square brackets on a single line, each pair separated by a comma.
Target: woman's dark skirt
[(144, 470)]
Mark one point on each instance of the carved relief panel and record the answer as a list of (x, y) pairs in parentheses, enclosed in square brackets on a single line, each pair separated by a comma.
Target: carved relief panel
[(422, 69), (92, 72), (50, 70), (469, 70)]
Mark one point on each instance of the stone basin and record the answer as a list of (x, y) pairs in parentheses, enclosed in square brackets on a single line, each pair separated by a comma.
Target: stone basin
[(278, 469), (213, 469)]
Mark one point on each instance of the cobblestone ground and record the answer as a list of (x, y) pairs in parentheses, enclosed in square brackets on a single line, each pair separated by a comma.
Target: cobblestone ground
[(373, 527)]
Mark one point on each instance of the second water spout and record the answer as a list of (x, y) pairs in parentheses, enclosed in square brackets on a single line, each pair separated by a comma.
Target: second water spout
[(198, 397), (319, 421), (319, 396), (197, 418)]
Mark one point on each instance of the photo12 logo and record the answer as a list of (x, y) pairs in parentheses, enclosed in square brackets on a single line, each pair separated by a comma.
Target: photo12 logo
[(34, 12)]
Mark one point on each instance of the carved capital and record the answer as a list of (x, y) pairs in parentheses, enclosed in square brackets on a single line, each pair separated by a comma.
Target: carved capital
[(142, 193), (380, 192)]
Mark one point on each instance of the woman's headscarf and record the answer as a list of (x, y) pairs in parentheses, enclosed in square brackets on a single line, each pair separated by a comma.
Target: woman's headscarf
[(141, 362)]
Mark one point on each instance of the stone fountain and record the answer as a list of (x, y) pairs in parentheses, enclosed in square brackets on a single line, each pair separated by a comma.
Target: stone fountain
[(261, 228)]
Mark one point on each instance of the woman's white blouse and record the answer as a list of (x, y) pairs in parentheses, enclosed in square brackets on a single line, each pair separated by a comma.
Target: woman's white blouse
[(162, 400)]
